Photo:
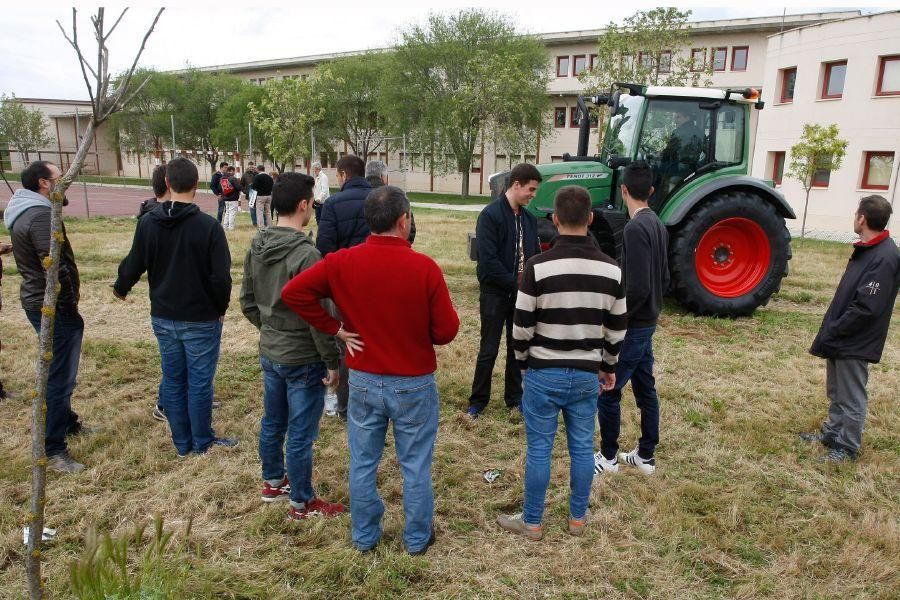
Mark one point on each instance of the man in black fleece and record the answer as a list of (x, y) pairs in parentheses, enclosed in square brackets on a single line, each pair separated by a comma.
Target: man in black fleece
[(645, 270), (855, 329), (185, 254)]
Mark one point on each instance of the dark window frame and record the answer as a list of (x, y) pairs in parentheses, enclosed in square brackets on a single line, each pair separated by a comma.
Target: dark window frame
[(565, 112), (868, 154), (669, 63), (573, 117), (784, 79), (559, 60), (882, 63), (697, 65), (734, 50), (778, 178), (575, 57), (724, 60), (827, 77)]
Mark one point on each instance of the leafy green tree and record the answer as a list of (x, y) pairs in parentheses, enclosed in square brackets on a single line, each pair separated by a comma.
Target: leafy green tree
[(22, 128), (350, 92), (463, 78), (234, 115), (819, 150), (285, 116), (652, 47), (202, 95), (145, 126)]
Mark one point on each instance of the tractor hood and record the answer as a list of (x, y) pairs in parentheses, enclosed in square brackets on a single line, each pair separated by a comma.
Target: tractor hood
[(591, 175)]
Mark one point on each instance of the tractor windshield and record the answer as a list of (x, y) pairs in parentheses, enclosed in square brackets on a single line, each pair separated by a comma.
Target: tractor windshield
[(619, 138)]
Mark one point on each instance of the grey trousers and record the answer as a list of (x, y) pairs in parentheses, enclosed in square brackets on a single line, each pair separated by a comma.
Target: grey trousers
[(845, 384), (263, 211)]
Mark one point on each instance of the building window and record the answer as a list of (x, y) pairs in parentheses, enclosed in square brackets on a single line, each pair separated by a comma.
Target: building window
[(562, 66), (580, 62), (739, 58), (720, 55), (573, 117), (889, 76), (777, 167), (698, 59), (645, 60), (476, 163), (665, 61), (559, 116), (877, 169), (595, 60), (788, 80), (821, 177), (833, 82)]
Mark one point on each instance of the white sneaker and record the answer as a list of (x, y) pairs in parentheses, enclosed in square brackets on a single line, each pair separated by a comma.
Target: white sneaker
[(647, 467), (602, 465)]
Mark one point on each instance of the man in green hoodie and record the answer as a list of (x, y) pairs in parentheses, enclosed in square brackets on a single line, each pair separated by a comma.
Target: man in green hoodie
[(293, 355)]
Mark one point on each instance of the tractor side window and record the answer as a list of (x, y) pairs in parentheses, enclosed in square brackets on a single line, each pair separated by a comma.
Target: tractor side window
[(674, 141), (730, 134)]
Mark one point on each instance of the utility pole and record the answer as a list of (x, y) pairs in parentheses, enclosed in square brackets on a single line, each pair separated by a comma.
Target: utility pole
[(250, 137), (172, 117)]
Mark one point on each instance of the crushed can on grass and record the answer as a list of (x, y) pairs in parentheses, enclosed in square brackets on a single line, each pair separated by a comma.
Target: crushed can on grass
[(492, 475)]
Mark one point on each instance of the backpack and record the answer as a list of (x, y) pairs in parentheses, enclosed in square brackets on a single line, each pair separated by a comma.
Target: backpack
[(227, 188)]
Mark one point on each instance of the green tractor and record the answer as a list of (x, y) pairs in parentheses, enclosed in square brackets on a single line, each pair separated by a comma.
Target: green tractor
[(729, 246)]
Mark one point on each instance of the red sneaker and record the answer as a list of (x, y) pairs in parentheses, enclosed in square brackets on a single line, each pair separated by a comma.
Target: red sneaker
[(271, 493), (317, 508)]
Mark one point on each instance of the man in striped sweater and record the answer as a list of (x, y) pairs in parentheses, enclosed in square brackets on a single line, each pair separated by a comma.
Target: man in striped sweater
[(568, 326)]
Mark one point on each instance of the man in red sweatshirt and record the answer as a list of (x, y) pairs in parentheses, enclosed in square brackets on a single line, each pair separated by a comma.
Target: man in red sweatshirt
[(396, 307)]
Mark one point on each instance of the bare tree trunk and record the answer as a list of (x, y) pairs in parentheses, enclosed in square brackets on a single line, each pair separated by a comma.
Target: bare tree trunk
[(465, 184), (42, 372), (803, 225)]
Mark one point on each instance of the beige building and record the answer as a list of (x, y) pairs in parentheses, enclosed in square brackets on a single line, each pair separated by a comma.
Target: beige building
[(862, 52), (845, 72)]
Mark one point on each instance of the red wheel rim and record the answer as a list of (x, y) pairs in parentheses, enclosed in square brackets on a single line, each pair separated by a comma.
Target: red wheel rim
[(732, 257)]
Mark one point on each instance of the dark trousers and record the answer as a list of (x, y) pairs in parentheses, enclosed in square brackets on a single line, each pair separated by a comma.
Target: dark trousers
[(68, 331), (496, 310), (318, 209), (221, 211), (635, 364), (343, 389)]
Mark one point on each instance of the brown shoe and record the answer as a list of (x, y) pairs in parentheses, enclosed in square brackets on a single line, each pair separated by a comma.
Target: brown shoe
[(516, 524), (578, 526)]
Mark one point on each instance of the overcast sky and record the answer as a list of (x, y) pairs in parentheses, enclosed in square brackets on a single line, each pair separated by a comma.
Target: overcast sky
[(37, 62)]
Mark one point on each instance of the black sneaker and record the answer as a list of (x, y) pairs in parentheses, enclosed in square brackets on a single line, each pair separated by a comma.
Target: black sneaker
[(428, 545), (226, 442), (813, 436), (838, 455), (159, 413)]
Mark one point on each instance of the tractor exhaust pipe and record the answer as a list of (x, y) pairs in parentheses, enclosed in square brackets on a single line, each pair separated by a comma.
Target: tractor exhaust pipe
[(584, 127)]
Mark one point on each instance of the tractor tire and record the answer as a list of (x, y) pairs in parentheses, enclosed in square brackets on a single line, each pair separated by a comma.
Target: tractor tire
[(729, 255)]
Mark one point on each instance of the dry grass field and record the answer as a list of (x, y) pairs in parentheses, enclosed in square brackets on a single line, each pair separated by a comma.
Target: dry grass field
[(738, 507)]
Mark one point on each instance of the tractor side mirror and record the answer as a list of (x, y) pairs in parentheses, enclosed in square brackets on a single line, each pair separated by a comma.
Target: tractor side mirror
[(615, 161)]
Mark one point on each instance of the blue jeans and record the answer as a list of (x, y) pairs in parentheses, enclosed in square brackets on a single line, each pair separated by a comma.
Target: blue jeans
[(189, 354), (636, 365), (68, 331), (220, 211), (252, 212), (546, 393), (412, 404), (293, 402)]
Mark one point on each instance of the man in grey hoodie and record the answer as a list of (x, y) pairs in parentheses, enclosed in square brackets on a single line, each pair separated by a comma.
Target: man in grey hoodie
[(27, 217), (294, 356)]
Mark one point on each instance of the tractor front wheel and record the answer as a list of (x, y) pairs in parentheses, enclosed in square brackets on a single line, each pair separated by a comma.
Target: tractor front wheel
[(729, 255)]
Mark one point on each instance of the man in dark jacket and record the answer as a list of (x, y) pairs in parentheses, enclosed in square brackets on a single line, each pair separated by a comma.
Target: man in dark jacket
[(343, 222), (246, 184), (855, 328), (186, 257), (344, 225), (262, 183), (216, 188), (294, 356), (377, 176), (507, 237), (27, 217), (160, 191)]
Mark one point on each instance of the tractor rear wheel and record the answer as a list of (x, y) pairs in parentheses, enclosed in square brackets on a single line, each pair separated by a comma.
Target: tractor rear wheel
[(729, 255)]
